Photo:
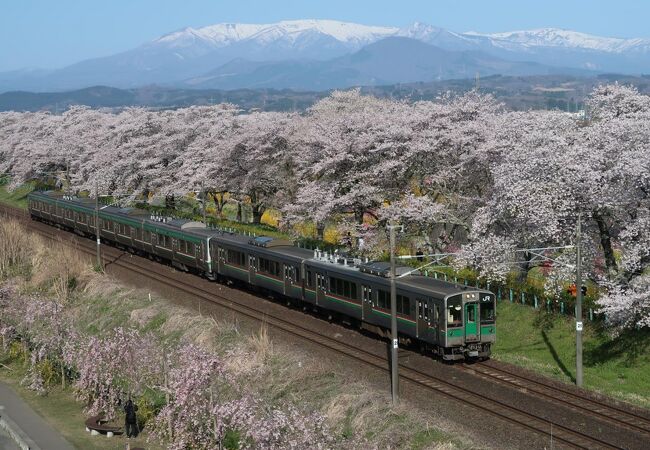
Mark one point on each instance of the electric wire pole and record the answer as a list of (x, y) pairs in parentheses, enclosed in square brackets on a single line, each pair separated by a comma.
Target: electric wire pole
[(393, 320), (579, 303), (203, 198)]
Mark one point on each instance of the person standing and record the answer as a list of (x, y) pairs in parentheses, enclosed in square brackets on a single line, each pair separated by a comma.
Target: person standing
[(419, 255), (130, 420)]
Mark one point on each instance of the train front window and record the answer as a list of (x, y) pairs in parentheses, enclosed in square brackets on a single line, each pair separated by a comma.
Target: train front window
[(454, 312), (487, 310)]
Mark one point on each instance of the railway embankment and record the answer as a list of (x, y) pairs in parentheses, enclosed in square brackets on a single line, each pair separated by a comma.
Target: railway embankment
[(524, 400), (614, 365), (617, 366), (277, 373)]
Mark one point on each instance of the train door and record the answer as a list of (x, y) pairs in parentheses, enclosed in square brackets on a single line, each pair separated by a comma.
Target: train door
[(366, 299), (252, 268), (221, 260), (321, 288), (472, 329), (288, 278), (424, 317), (175, 248)]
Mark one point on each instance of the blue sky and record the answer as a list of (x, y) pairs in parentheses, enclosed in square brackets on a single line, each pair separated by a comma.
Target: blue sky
[(54, 33)]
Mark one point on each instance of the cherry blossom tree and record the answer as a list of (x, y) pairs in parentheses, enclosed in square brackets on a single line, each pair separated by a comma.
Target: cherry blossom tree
[(350, 152), (259, 162), (205, 404), (113, 366)]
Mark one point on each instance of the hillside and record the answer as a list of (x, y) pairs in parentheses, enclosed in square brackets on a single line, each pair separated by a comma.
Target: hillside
[(520, 93)]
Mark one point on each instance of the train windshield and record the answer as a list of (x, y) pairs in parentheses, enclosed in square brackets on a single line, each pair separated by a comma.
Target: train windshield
[(487, 309), (454, 312)]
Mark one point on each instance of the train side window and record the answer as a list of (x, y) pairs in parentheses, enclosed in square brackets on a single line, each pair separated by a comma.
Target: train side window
[(310, 280), (383, 299), (270, 267), (237, 258), (344, 288), (296, 274), (403, 305), (454, 312)]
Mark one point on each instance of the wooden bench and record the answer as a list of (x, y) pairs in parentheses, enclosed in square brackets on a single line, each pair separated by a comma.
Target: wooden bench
[(98, 425)]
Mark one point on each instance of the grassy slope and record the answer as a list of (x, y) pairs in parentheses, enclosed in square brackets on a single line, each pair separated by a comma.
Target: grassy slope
[(17, 198), (546, 343)]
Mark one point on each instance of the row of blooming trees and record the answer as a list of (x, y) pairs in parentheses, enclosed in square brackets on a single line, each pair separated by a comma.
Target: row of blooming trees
[(460, 167), (203, 401)]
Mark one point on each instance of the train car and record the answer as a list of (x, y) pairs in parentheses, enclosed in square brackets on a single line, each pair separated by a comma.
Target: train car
[(447, 319)]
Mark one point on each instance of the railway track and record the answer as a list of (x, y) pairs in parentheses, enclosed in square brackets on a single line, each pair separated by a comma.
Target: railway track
[(552, 392), (553, 430)]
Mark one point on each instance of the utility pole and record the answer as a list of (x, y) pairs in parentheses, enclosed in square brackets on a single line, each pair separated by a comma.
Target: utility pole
[(203, 202), (579, 303), (394, 368), (99, 254)]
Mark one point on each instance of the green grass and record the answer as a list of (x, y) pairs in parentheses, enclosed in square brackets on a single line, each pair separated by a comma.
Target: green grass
[(546, 343), (17, 197), (63, 413)]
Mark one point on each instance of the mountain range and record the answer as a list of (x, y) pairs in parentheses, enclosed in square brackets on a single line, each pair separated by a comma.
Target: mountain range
[(326, 54)]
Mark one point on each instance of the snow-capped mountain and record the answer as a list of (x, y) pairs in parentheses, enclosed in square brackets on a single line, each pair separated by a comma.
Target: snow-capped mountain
[(187, 55), (558, 38), (289, 31)]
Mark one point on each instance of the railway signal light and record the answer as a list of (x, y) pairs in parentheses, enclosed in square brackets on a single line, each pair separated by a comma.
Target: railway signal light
[(574, 292)]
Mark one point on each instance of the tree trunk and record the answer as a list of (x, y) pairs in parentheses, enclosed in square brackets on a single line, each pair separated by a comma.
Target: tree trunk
[(358, 216), (220, 202), (170, 201), (258, 211), (522, 276), (606, 243)]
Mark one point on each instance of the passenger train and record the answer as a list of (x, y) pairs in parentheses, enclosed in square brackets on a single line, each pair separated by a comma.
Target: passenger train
[(453, 321)]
